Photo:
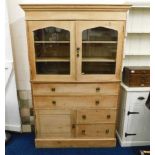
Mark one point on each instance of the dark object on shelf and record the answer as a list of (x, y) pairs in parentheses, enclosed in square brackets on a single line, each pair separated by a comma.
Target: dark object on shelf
[(138, 76)]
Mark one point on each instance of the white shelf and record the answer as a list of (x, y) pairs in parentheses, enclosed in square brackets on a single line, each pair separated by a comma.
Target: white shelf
[(137, 44), (138, 20), (138, 32), (136, 60)]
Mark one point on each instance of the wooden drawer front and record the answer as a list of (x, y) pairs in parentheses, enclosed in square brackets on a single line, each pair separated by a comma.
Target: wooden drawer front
[(75, 102), (95, 130), (69, 89), (138, 98), (53, 123), (96, 116)]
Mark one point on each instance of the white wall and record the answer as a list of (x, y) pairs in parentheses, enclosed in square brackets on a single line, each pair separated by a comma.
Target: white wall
[(12, 116), (8, 48), (18, 33), (19, 44)]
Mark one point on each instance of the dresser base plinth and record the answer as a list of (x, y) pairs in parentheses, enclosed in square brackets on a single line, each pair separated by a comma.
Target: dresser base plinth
[(64, 143)]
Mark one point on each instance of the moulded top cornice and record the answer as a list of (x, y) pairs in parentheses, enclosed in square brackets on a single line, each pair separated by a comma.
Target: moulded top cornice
[(75, 7)]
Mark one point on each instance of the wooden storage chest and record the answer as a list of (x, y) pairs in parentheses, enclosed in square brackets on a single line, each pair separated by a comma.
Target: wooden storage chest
[(138, 76)]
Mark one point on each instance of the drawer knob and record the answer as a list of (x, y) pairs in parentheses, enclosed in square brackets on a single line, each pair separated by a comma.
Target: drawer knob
[(108, 116), (107, 131), (141, 98), (83, 132), (97, 89), (53, 89), (97, 102), (83, 116), (54, 102), (73, 126)]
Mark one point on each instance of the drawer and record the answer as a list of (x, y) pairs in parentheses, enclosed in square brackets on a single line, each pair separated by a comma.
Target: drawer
[(138, 98), (105, 101), (70, 89), (95, 130), (96, 116)]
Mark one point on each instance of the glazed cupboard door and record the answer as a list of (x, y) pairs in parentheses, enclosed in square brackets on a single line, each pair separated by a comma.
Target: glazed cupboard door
[(51, 47), (99, 47)]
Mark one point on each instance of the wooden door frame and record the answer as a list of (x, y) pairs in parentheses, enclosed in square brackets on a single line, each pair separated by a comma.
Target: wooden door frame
[(116, 25), (67, 25)]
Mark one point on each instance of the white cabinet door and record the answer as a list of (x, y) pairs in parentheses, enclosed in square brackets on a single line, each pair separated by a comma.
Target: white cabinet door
[(138, 124)]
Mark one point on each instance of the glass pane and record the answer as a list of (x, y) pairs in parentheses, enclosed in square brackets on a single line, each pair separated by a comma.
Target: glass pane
[(44, 50), (53, 67), (99, 34), (52, 51), (51, 34), (94, 50), (99, 47), (98, 67)]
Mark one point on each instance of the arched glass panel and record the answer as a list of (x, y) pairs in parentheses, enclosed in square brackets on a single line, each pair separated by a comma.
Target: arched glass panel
[(99, 47), (52, 50)]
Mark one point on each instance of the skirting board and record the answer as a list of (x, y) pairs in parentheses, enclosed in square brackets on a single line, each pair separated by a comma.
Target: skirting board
[(64, 143), (11, 127), (131, 143)]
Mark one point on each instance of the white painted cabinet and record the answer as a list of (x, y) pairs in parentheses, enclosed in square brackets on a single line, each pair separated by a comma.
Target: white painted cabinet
[(134, 117)]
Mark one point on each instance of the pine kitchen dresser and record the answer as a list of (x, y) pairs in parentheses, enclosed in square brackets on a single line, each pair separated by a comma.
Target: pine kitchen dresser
[(75, 57)]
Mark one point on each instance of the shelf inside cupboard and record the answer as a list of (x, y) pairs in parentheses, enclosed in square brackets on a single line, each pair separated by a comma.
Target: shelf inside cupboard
[(98, 60), (99, 42), (52, 59), (43, 42)]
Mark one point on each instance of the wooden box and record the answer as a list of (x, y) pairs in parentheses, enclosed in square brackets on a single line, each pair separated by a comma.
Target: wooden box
[(136, 76)]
